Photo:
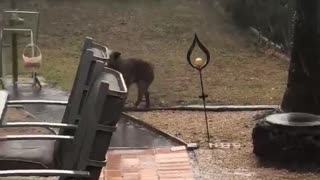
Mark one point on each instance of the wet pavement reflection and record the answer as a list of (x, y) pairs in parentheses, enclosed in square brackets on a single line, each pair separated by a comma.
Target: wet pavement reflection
[(128, 134)]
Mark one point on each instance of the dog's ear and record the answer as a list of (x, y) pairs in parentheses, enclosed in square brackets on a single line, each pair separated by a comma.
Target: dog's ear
[(115, 55)]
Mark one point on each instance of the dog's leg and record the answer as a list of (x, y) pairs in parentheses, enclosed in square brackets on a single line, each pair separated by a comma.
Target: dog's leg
[(141, 90), (147, 94)]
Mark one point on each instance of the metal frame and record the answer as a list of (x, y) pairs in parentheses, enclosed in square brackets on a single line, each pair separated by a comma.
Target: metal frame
[(45, 172), (92, 157), (35, 137), (89, 66), (3, 107), (29, 12), (103, 50), (101, 53), (73, 105), (15, 64), (84, 141), (89, 80), (46, 102), (40, 124)]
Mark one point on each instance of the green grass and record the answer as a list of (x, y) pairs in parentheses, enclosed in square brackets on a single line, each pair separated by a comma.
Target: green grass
[(161, 32)]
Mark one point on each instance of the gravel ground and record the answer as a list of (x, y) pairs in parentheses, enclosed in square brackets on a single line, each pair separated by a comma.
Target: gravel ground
[(218, 163), (232, 127)]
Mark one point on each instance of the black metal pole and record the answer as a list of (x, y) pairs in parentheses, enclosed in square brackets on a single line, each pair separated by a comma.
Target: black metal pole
[(204, 96), (199, 64), (13, 4), (1, 61), (14, 51), (14, 58)]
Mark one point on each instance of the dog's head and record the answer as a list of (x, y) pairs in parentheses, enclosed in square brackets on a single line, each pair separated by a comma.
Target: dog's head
[(114, 57)]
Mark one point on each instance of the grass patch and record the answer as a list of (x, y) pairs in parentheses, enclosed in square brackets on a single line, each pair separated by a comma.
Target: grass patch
[(161, 32)]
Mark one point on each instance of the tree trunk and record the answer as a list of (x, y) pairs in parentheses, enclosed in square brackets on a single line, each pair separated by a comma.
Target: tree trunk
[(303, 87)]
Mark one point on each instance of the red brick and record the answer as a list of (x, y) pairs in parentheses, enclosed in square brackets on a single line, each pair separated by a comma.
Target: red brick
[(137, 153), (114, 178), (148, 172), (147, 158), (113, 157), (114, 152), (172, 167), (175, 168), (130, 165), (132, 151), (113, 162), (158, 164), (172, 164), (176, 178), (175, 172), (178, 148), (150, 178), (127, 151), (130, 161), (148, 165), (173, 155), (131, 176), (149, 152), (172, 160), (129, 156), (162, 151), (111, 174), (176, 175), (147, 161)]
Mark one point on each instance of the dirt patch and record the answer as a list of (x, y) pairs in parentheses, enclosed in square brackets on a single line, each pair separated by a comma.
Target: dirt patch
[(219, 163)]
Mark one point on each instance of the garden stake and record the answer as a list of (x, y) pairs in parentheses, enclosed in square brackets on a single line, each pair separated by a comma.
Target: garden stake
[(200, 64)]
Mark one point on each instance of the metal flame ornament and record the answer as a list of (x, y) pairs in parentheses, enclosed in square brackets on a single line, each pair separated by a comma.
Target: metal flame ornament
[(200, 64)]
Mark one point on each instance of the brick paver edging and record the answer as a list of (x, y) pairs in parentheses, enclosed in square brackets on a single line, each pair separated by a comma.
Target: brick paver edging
[(148, 164)]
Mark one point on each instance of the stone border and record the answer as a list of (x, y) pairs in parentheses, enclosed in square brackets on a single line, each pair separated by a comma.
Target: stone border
[(189, 146), (215, 108)]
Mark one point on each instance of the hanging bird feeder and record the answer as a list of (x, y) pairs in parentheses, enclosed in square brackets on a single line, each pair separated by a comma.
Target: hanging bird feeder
[(32, 57)]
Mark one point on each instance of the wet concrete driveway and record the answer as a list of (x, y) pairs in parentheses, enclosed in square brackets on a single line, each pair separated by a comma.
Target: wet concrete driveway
[(128, 134)]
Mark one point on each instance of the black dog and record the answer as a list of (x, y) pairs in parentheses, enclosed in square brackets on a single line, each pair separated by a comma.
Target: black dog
[(134, 71)]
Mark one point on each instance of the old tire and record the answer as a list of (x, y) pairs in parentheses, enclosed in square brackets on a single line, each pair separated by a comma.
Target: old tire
[(285, 143)]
